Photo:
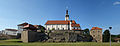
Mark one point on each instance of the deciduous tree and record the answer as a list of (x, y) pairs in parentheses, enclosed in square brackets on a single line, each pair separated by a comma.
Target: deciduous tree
[(106, 36)]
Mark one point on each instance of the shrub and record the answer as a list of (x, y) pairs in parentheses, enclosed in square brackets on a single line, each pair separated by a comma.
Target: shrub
[(3, 38)]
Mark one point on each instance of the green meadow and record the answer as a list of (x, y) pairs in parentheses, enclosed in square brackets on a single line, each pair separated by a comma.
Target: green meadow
[(16, 42)]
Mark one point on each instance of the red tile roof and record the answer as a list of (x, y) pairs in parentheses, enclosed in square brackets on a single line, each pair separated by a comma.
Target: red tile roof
[(116, 39), (75, 25), (96, 28), (73, 22), (59, 22)]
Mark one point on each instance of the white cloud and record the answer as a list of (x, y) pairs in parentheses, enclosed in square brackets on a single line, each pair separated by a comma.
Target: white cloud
[(116, 3), (116, 29)]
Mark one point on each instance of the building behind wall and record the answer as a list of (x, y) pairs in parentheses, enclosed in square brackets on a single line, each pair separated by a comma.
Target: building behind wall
[(96, 33), (10, 32), (20, 27), (62, 24), (32, 36), (0, 32), (24, 26)]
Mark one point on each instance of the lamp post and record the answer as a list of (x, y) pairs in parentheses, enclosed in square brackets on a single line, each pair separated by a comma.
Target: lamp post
[(110, 35)]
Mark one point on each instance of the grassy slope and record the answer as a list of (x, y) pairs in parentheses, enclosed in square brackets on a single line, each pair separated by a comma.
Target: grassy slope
[(14, 42)]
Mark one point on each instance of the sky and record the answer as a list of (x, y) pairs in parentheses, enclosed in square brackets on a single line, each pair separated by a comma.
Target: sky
[(87, 13)]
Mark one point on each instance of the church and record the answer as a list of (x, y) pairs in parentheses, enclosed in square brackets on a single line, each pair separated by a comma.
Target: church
[(66, 24)]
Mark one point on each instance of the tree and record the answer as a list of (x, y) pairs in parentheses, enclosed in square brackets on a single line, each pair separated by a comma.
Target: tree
[(119, 36), (86, 32), (53, 28), (41, 28), (18, 35), (106, 36), (113, 37), (87, 35)]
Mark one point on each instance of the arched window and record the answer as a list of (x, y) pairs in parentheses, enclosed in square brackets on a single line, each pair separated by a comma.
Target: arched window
[(77, 28), (48, 28), (63, 28), (74, 27)]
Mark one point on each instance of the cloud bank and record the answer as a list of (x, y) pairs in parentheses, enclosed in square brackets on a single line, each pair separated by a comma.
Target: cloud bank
[(116, 3)]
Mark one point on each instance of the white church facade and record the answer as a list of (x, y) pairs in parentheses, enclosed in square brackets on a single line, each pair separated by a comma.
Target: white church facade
[(62, 24)]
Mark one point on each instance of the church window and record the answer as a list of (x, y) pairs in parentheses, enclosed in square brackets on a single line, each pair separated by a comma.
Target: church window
[(74, 27), (63, 28), (48, 28)]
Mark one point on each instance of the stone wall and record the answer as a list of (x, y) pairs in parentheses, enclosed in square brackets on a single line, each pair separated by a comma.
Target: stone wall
[(31, 36), (54, 36), (24, 36), (63, 36)]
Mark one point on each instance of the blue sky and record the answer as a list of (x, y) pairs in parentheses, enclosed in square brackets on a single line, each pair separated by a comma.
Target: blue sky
[(88, 13)]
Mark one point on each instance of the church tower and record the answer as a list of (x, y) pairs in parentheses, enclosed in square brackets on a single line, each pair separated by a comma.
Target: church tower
[(66, 16)]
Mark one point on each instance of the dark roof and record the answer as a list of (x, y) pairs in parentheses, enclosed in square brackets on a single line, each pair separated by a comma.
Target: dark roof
[(11, 29), (23, 24)]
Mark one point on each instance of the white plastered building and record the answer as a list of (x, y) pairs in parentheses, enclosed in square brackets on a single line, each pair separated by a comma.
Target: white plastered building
[(62, 24)]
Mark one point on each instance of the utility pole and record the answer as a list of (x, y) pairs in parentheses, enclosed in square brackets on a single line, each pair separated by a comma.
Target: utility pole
[(110, 35)]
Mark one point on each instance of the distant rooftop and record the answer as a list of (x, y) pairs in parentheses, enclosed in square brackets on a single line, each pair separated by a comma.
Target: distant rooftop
[(23, 24), (96, 28), (11, 29)]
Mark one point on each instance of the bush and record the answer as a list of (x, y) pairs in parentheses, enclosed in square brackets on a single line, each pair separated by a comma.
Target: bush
[(3, 38), (18, 36)]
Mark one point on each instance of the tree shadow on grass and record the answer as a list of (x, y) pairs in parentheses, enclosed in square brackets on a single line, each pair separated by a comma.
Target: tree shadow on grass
[(15, 41), (9, 45)]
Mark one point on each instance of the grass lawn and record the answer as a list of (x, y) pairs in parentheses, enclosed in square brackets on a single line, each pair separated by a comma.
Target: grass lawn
[(15, 42)]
